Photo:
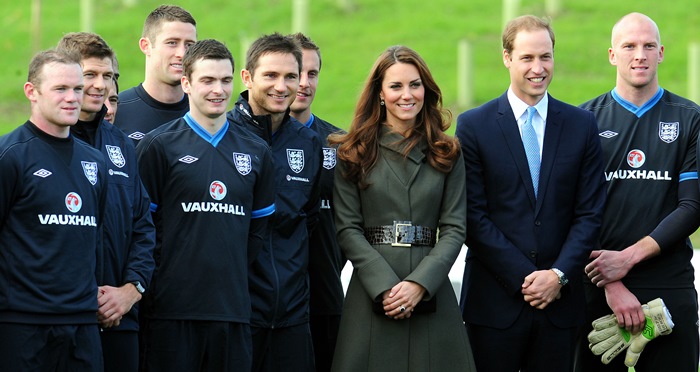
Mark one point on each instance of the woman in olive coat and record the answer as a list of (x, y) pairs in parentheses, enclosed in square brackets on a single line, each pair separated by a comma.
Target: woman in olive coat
[(399, 180)]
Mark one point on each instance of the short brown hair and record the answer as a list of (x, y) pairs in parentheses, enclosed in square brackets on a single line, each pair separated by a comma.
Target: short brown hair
[(42, 59), (307, 43), (204, 49), (164, 14), (87, 44), (527, 23), (273, 43)]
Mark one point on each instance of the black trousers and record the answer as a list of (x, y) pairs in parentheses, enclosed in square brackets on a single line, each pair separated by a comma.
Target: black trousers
[(194, 345), (324, 332), (29, 347), (120, 350), (531, 344), (287, 349)]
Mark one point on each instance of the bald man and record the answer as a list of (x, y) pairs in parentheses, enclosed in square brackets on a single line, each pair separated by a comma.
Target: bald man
[(649, 139)]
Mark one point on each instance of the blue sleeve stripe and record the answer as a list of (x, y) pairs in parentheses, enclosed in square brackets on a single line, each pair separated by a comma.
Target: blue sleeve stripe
[(688, 176), (270, 209), (154, 207)]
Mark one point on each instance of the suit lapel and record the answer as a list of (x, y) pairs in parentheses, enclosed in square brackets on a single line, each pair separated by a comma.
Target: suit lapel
[(405, 170), (552, 133), (509, 127)]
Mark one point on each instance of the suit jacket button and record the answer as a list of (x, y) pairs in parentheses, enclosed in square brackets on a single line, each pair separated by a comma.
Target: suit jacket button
[(533, 254), (537, 223)]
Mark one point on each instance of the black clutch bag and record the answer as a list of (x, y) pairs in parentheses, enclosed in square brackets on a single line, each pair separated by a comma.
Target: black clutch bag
[(423, 307)]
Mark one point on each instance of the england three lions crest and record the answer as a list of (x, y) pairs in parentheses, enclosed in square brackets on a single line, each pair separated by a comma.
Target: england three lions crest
[(295, 159), (243, 163), (90, 170), (328, 158), (668, 132), (116, 156)]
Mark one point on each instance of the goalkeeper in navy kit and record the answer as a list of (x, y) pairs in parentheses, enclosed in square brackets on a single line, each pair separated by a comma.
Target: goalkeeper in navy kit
[(649, 138)]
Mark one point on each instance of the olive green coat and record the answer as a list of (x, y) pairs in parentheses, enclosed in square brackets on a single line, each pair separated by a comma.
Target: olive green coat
[(401, 190)]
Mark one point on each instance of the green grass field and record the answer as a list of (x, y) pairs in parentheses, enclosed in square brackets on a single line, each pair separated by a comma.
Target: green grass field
[(352, 39)]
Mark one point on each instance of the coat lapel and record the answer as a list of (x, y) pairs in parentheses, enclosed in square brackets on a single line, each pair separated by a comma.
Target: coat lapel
[(405, 170), (552, 133), (509, 127)]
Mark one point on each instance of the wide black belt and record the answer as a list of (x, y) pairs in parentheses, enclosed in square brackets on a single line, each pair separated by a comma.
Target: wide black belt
[(400, 234)]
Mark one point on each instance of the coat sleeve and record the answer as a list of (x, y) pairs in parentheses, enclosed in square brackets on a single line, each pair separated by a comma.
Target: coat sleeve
[(371, 268), (588, 209), (684, 220), (313, 206), (435, 267), (140, 263), (484, 238), (152, 166), (9, 183), (263, 207), (153, 171)]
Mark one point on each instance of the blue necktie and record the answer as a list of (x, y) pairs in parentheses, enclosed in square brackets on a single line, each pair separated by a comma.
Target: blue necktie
[(532, 148)]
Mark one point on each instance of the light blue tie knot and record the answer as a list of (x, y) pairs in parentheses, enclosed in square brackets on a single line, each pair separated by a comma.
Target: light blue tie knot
[(532, 148)]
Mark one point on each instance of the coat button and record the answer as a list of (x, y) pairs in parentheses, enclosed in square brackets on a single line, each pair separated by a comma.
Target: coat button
[(533, 254), (538, 223)]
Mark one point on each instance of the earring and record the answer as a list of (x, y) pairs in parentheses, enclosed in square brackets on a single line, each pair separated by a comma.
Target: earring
[(381, 102)]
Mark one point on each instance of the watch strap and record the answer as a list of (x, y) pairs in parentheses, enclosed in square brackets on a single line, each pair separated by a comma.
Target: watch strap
[(139, 287), (562, 277)]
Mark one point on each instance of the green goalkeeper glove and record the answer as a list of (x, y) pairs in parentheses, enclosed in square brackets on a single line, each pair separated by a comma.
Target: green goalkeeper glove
[(607, 338), (658, 323)]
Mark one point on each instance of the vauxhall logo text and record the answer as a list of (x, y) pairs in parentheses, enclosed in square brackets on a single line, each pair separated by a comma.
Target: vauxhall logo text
[(636, 174), (65, 219), (635, 159), (73, 203), (213, 207), (217, 191)]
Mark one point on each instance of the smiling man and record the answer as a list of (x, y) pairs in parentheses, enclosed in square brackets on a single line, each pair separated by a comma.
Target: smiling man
[(52, 194), (278, 278), (212, 187), (129, 235), (534, 207), (325, 259), (112, 101), (167, 33), (649, 137)]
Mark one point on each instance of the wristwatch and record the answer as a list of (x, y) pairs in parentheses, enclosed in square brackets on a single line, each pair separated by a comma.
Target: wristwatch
[(562, 278), (139, 287)]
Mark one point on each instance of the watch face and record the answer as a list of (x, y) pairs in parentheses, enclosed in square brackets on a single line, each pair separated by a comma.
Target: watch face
[(139, 287), (562, 278)]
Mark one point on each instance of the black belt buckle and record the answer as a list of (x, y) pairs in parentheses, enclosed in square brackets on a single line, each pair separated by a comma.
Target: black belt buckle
[(401, 233)]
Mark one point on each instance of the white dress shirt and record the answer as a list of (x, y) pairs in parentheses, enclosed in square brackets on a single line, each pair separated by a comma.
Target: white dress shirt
[(538, 120)]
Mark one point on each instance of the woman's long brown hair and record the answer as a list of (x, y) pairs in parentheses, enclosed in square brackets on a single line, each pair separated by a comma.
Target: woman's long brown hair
[(358, 148)]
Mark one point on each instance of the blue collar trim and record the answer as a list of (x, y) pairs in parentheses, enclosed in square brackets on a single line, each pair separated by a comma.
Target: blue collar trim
[(310, 121), (213, 140), (641, 110)]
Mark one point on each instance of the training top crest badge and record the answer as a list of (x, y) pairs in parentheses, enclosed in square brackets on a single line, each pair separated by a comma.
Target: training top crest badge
[(242, 162), (668, 132), (295, 159), (328, 158), (116, 156), (90, 170)]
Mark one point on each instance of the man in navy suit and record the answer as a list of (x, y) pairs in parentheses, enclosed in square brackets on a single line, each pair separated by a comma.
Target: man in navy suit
[(535, 199)]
